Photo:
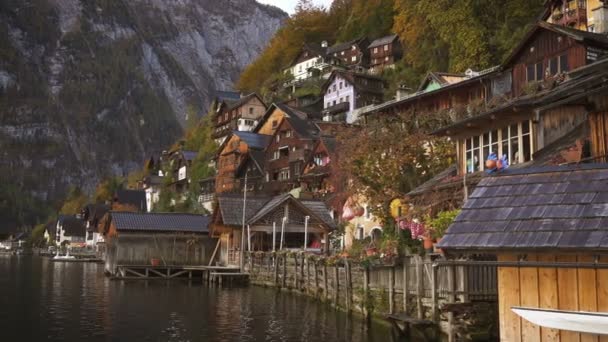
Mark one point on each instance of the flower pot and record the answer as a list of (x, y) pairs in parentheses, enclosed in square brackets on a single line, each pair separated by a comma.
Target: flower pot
[(371, 251), (490, 164), (428, 244), (155, 262)]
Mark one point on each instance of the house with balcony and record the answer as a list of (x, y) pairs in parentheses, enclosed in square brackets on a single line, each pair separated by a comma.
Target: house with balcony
[(384, 52), (353, 53), (346, 91), (287, 152), (312, 61), (241, 115), (526, 112), (232, 154)]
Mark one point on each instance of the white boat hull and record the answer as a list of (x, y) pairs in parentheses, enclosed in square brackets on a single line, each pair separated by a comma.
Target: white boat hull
[(578, 321)]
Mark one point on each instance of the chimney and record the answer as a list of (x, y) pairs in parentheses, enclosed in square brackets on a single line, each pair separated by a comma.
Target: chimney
[(403, 91), (600, 18), (324, 44)]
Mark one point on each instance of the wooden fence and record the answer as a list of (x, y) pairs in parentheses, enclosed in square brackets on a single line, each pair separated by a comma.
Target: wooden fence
[(415, 285)]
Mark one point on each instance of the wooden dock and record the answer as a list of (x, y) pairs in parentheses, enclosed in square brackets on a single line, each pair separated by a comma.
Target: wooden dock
[(219, 275)]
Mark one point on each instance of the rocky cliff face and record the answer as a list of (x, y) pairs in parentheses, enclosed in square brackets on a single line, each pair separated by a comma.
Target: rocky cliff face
[(88, 88)]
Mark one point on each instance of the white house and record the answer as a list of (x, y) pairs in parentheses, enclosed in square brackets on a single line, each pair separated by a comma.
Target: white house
[(311, 61), (346, 91), (70, 230)]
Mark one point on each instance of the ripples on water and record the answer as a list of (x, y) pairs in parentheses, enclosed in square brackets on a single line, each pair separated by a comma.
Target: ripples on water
[(44, 301)]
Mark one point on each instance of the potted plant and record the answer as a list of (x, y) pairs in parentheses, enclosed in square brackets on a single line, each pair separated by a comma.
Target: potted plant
[(441, 223)]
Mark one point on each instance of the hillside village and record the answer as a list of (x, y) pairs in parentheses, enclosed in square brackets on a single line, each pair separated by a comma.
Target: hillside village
[(511, 158)]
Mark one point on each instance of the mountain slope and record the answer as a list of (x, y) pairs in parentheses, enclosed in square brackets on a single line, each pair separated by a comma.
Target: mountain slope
[(88, 88)]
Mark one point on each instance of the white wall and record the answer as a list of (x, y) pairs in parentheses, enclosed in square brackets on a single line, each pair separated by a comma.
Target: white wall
[(300, 70), (340, 95)]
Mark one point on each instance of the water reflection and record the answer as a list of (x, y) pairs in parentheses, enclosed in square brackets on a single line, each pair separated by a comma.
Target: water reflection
[(45, 301)]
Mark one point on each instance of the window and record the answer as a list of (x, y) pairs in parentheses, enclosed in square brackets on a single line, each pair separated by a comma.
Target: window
[(334, 87), (318, 159), (354, 58), (348, 98), (288, 134), (250, 110), (558, 65), (340, 85), (225, 116), (342, 53), (341, 99), (535, 72), (385, 47), (334, 103), (328, 104), (274, 123), (368, 213), (284, 174), (386, 59), (276, 155), (284, 151), (354, 47), (513, 142), (278, 137), (375, 50)]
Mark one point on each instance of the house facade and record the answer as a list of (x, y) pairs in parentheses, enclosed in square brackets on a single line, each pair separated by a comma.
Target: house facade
[(92, 215), (384, 52), (70, 231), (312, 61), (352, 53), (242, 115), (346, 91)]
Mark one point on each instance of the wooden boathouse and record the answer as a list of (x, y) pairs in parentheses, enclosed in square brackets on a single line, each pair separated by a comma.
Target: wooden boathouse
[(548, 230), (172, 241)]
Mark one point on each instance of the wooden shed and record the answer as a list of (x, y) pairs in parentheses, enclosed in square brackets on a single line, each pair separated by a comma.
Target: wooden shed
[(174, 239), (548, 228)]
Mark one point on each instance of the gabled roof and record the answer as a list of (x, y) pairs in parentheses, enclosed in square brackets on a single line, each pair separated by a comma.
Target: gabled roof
[(160, 222), (227, 95), (243, 100), (94, 211), (316, 209), (347, 45), (551, 208), (230, 207), (304, 128), (135, 198), (352, 77), (314, 51), (578, 35), (253, 140), (383, 41), (442, 78), (72, 226)]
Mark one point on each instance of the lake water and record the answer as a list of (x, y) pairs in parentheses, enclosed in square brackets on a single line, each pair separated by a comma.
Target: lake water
[(45, 301)]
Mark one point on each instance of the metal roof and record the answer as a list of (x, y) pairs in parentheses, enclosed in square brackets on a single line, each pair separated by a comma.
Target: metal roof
[(254, 140), (383, 41), (561, 208), (160, 222)]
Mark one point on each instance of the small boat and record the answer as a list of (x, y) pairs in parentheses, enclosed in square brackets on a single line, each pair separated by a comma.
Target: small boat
[(578, 321)]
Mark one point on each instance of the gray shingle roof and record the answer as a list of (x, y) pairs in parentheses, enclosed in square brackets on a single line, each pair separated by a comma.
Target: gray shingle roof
[(231, 207), (254, 140), (136, 198), (72, 226), (160, 222), (547, 207), (382, 41)]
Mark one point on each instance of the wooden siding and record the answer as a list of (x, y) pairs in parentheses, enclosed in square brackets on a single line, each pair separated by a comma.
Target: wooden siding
[(560, 121), (272, 122), (598, 123), (227, 163), (549, 288), (545, 46)]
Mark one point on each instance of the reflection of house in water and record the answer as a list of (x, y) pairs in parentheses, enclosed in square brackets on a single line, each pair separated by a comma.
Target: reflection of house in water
[(264, 215)]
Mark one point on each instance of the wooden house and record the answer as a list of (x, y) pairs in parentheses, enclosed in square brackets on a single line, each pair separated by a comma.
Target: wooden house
[(242, 115), (315, 180), (523, 110), (287, 151), (298, 223), (384, 52), (586, 15), (346, 91), (232, 154), (546, 228), (353, 53), (172, 238)]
